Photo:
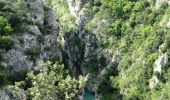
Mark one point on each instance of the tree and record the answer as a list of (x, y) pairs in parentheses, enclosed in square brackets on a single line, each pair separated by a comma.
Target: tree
[(6, 43), (116, 28), (5, 27), (52, 84), (3, 77), (116, 5), (128, 7)]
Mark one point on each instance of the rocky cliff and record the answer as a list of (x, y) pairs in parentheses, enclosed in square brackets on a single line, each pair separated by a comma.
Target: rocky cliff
[(123, 46), (36, 42), (39, 40)]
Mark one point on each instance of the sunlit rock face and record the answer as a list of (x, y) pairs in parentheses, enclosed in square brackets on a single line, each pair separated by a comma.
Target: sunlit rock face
[(10, 93), (161, 62), (75, 6), (4, 95), (90, 50), (36, 10), (37, 42), (159, 2)]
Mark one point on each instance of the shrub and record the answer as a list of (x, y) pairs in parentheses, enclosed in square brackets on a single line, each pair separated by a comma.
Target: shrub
[(33, 52), (6, 43), (137, 6), (5, 27), (3, 78), (51, 84), (2, 4), (116, 29), (128, 7)]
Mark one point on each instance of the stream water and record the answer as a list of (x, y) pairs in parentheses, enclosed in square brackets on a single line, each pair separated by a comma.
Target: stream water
[(89, 95)]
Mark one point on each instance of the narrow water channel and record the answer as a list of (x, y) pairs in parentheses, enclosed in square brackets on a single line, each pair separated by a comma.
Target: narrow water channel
[(89, 95)]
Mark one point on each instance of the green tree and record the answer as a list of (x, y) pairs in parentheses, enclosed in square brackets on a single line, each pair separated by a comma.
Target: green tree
[(116, 28), (128, 7), (116, 5), (51, 83), (5, 27), (3, 77), (6, 43)]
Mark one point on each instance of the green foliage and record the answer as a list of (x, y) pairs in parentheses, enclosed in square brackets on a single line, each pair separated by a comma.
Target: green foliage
[(4, 78), (33, 52), (66, 20), (6, 43), (167, 41), (2, 4), (137, 31), (133, 27), (5, 27), (17, 76), (128, 7), (116, 5), (50, 83), (116, 29), (138, 6)]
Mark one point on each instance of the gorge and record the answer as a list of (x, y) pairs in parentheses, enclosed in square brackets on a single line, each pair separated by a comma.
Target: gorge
[(84, 50)]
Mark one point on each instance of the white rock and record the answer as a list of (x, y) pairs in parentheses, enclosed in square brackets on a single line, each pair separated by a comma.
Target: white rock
[(74, 6), (153, 82), (159, 2), (160, 62)]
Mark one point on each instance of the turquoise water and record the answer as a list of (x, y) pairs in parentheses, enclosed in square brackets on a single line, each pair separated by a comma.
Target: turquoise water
[(89, 95)]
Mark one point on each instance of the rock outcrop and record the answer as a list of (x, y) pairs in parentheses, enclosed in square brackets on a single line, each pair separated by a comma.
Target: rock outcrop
[(75, 6), (43, 43), (84, 53), (159, 64), (9, 93), (80, 51), (38, 41), (159, 2)]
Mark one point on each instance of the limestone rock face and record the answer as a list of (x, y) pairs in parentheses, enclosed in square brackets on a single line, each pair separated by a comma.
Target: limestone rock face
[(159, 2), (4, 95), (81, 47), (75, 6), (36, 10), (17, 60), (38, 41), (80, 51), (84, 54), (8, 93), (159, 64)]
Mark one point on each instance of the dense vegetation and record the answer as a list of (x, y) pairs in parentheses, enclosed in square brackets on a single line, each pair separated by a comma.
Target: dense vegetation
[(53, 81), (136, 28), (6, 43), (136, 31)]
